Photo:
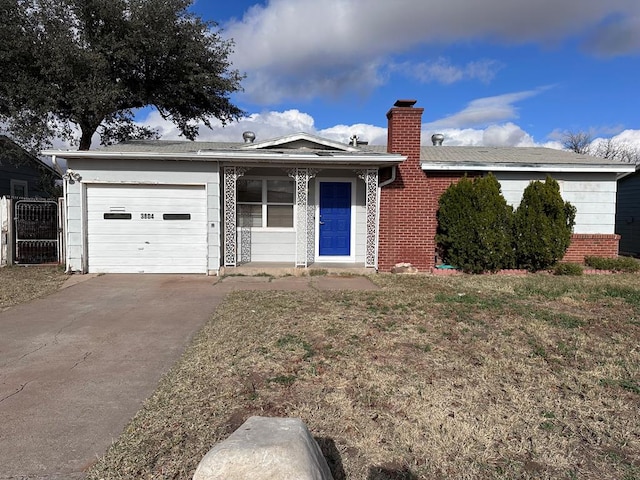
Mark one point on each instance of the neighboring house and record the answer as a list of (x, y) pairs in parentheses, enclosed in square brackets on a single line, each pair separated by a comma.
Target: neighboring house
[(628, 214), (21, 173), (195, 207)]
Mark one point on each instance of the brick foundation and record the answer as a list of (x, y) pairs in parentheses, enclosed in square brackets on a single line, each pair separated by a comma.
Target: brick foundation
[(598, 245)]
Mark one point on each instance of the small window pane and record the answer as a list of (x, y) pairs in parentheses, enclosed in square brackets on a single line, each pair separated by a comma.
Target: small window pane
[(280, 216), (249, 216), (279, 191), (176, 216), (249, 190), (117, 216)]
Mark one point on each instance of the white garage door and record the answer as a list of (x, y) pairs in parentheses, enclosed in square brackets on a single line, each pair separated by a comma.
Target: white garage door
[(146, 229)]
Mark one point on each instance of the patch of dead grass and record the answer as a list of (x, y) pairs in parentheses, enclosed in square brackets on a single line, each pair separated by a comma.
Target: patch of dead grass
[(430, 377), (22, 284)]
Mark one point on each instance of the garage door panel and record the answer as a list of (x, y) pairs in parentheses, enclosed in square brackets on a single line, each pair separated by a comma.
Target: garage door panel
[(135, 239), (145, 251), (144, 241), (112, 233), (145, 269), (140, 204)]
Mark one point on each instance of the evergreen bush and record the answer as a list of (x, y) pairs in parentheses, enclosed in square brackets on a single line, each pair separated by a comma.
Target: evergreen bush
[(574, 269), (542, 226), (619, 264), (475, 226)]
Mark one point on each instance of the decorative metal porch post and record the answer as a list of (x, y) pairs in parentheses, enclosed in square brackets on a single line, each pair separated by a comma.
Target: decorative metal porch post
[(231, 175), (370, 177), (304, 220)]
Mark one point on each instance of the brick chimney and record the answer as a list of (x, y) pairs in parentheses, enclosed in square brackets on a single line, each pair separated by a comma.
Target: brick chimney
[(404, 126), (407, 214)]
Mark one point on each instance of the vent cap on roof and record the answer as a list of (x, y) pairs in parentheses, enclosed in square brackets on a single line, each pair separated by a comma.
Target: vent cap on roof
[(437, 139), (405, 103), (248, 137)]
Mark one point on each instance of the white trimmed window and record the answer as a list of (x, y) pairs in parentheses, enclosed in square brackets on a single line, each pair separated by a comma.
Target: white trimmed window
[(265, 203)]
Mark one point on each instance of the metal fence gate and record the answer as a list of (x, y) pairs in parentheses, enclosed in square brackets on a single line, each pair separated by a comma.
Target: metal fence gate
[(36, 232)]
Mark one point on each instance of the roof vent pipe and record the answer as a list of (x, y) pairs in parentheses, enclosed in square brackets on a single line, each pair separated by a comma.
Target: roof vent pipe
[(248, 137), (437, 139), (356, 142)]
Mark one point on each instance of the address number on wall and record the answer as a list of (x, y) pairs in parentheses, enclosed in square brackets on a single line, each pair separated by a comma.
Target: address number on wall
[(146, 216)]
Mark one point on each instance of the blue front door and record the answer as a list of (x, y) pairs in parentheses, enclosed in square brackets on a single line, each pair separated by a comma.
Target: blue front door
[(335, 219)]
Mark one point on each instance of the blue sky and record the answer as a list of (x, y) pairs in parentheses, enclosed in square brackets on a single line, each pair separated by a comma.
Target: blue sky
[(490, 72)]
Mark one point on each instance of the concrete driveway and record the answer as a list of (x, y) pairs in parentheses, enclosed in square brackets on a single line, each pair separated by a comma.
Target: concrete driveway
[(77, 365)]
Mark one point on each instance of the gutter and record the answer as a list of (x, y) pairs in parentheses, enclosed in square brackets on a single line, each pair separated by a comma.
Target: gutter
[(565, 168), (391, 180), (245, 157)]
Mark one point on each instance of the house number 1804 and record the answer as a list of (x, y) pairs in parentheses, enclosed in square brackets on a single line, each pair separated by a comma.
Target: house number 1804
[(146, 216)]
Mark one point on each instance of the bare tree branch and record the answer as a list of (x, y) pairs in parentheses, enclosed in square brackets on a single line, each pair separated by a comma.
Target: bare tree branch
[(578, 142)]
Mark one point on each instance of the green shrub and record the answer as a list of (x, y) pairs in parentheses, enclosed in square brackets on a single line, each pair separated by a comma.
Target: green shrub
[(475, 226), (567, 269), (542, 226), (620, 264)]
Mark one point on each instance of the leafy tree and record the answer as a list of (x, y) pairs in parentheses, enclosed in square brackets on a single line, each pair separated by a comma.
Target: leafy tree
[(475, 226), (543, 224), (90, 63)]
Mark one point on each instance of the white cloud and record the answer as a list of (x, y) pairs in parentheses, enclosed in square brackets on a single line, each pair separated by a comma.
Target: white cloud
[(628, 137), (485, 111), (268, 125), (272, 85), (497, 135), (370, 133), (265, 125), (507, 134), (443, 71), (303, 48)]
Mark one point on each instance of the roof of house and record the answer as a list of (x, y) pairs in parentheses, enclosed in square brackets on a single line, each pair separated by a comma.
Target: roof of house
[(16, 155), (299, 148), (511, 159), (311, 149)]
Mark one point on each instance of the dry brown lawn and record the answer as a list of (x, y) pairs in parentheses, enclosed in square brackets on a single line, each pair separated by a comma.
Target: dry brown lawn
[(21, 284), (464, 377)]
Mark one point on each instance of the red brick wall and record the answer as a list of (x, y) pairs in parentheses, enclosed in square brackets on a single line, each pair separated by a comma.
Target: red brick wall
[(598, 245)]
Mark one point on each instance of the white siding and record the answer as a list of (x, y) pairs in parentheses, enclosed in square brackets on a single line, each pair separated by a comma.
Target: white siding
[(75, 230), (360, 212), (263, 245), (593, 195)]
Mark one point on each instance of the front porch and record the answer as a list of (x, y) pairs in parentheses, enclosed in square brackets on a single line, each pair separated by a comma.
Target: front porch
[(286, 269), (301, 218)]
